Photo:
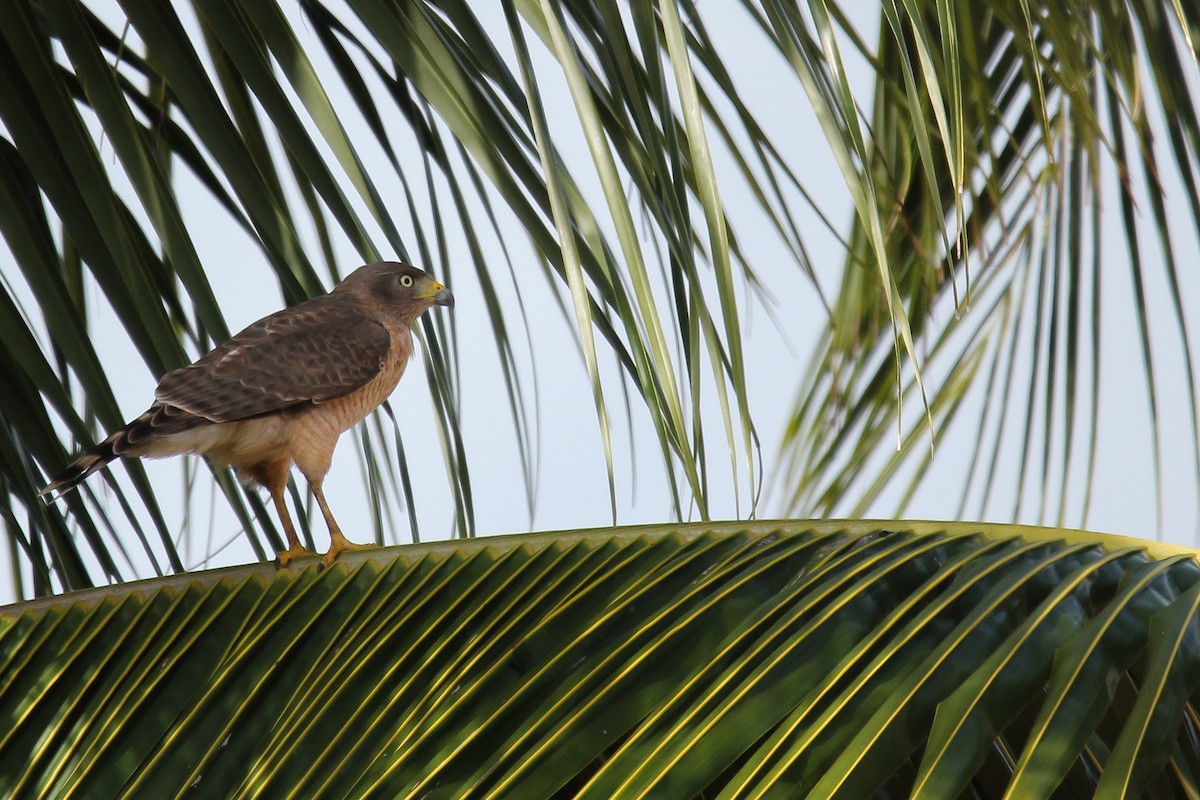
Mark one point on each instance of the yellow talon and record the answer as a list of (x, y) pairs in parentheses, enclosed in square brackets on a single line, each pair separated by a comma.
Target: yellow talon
[(337, 544), (285, 557)]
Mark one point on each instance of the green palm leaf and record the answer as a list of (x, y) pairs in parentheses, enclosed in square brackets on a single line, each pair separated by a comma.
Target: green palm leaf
[(773, 659), (998, 141), (235, 98)]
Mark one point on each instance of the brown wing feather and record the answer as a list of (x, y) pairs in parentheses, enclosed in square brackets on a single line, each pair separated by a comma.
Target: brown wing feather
[(317, 351)]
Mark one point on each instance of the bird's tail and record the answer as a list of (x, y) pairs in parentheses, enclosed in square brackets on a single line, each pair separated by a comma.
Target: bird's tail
[(158, 422), (92, 461)]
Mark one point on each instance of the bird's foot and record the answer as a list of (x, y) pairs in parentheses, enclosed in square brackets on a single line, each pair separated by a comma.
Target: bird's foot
[(339, 544), (285, 557)]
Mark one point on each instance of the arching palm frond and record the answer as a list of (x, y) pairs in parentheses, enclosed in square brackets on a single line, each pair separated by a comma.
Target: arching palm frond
[(772, 659)]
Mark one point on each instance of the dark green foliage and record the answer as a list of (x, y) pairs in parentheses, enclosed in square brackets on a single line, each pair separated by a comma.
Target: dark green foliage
[(773, 659)]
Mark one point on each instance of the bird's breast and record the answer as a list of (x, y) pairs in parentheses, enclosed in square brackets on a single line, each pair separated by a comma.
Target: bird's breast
[(333, 417), (346, 412)]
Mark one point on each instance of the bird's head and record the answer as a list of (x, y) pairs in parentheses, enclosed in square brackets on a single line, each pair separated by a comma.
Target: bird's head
[(401, 289)]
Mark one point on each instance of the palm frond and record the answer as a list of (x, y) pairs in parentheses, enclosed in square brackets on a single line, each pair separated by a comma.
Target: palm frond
[(995, 144), (279, 116), (826, 660)]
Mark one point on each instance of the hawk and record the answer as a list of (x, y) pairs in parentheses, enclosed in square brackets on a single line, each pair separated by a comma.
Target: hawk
[(282, 391)]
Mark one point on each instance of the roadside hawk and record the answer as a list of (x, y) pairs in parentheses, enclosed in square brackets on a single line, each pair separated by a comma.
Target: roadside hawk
[(282, 391)]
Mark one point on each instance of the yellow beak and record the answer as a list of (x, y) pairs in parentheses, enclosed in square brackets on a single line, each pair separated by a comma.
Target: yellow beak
[(438, 294)]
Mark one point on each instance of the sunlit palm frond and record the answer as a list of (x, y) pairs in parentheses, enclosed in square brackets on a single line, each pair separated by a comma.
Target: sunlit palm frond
[(837, 660)]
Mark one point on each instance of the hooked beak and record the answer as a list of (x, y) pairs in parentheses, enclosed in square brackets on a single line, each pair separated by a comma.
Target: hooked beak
[(439, 295)]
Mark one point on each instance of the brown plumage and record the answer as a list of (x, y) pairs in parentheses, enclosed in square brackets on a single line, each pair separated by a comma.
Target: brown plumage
[(283, 390)]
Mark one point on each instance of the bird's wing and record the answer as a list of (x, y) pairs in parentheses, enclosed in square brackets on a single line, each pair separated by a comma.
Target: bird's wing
[(310, 353)]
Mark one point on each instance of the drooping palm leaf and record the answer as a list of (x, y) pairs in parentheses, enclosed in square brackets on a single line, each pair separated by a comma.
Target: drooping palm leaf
[(220, 90), (773, 659), (1009, 136)]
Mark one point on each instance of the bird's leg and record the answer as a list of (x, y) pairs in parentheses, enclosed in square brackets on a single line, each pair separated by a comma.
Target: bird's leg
[(273, 474), (294, 548), (337, 542)]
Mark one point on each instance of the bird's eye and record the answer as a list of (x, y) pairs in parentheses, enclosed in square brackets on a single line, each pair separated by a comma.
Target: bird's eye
[(406, 281)]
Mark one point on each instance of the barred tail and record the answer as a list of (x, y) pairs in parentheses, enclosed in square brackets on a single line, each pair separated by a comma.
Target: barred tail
[(158, 422), (92, 461)]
